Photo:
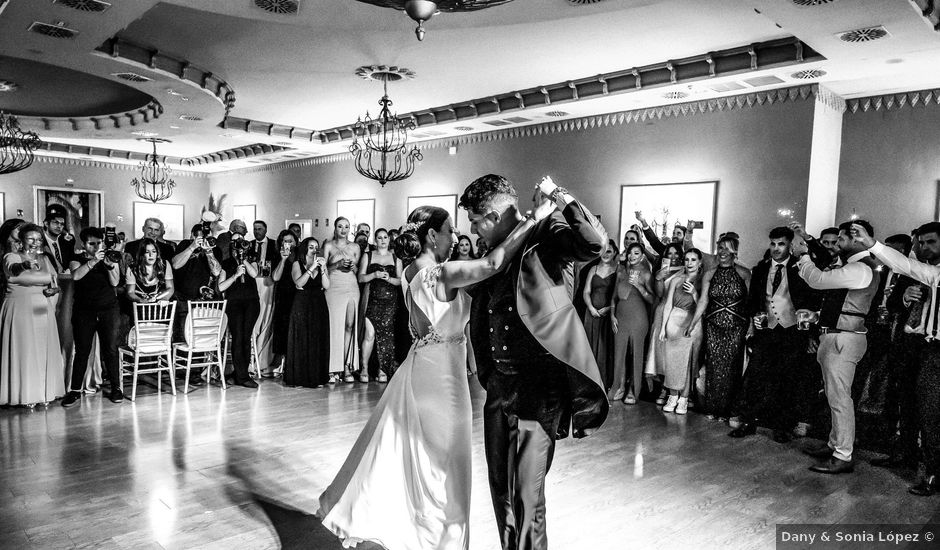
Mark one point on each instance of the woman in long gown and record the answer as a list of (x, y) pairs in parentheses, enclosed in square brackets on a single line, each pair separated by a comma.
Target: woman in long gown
[(680, 333), (597, 295), (380, 271), (31, 364), (308, 352), (630, 323), (463, 252), (342, 298), (406, 482), (671, 266), (724, 306), (284, 291)]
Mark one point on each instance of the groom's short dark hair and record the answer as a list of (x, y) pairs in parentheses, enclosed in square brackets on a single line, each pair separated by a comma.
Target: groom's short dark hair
[(487, 191)]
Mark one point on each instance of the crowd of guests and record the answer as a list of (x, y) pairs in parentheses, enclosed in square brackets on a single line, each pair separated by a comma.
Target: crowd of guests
[(840, 314)]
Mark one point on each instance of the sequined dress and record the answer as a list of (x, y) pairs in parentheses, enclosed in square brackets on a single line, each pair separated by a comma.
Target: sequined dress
[(726, 325), (381, 312)]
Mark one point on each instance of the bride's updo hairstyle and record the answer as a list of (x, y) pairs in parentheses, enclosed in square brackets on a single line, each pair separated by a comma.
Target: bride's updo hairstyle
[(422, 219)]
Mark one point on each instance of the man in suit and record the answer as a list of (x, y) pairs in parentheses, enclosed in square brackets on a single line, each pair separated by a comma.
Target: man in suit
[(223, 242), (777, 382), (265, 250), (152, 229), (532, 355), (59, 243)]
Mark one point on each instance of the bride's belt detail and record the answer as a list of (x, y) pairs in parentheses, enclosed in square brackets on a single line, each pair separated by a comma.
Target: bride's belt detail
[(434, 338)]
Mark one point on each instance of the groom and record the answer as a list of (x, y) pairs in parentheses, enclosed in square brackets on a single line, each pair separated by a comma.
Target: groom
[(532, 355)]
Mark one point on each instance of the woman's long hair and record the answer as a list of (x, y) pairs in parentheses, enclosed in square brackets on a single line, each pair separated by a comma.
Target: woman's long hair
[(456, 252), (159, 266), (422, 219), (280, 245), (301, 251)]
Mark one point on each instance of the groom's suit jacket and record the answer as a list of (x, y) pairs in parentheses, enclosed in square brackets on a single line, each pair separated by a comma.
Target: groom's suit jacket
[(543, 278)]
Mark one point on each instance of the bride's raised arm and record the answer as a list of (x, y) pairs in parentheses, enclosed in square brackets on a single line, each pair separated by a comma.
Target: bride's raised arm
[(456, 275)]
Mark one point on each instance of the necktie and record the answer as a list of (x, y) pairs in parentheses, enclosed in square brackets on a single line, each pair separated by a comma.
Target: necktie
[(932, 321), (778, 278), (58, 254)]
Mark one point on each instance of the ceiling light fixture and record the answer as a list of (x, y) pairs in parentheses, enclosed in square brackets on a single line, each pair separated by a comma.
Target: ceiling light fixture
[(16, 146), (380, 145), (422, 10), (7, 86), (155, 183)]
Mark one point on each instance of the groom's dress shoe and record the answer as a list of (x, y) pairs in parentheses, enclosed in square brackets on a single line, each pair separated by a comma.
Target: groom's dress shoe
[(833, 466), (746, 429), (821, 452)]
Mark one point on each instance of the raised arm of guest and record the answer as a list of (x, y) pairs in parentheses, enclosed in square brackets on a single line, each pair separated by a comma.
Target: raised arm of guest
[(657, 245), (24, 276)]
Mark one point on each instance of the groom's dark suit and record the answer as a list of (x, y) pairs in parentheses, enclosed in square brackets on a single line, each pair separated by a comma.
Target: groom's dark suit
[(536, 364)]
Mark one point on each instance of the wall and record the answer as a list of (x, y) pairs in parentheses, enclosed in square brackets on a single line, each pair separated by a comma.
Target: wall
[(759, 155), (192, 191), (890, 168)]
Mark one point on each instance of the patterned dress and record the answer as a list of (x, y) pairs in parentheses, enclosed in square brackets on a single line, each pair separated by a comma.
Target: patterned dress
[(382, 310), (726, 324)]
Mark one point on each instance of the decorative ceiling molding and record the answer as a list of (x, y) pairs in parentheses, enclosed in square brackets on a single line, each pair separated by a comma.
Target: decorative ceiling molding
[(148, 112), (269, 129), (754, 57), (828, 98), (90, 163), (888, 102), (255, 149), (181, 69), (235, 153), (738, 102)]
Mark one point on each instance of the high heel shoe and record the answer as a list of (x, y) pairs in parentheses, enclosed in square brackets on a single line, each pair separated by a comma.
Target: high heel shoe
[(618, 395), (662, 397), (629, 399)]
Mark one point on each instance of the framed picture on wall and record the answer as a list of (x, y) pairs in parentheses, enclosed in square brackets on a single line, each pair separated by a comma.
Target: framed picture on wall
[(665, 205), (447, 202), (170, 214), (83, 207), (356, 211), (306, 227), (245, 212)]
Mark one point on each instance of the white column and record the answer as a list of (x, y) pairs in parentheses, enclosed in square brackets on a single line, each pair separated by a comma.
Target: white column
[(822, 191)]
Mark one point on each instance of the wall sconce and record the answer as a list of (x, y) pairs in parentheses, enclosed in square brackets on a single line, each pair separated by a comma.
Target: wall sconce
[(316, 222), (452, 150)]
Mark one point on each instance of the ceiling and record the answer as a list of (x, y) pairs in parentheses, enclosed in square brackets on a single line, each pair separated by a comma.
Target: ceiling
[(212, 59)]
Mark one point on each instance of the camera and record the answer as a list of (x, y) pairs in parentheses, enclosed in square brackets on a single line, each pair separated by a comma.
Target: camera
[(241, 249), (694, 224), (205, 232), (110, 243)]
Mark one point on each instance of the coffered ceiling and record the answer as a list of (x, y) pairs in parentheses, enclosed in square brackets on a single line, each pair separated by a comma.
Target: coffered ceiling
[(225, 75)]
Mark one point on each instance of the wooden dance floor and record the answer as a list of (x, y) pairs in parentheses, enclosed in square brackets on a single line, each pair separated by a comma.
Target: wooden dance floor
[(242, 469)]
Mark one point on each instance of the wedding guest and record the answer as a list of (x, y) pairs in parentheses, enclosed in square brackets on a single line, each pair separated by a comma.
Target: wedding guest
[(597, 297), (380, 272), (630, 323), (154, 230), (224, 240), (9, 242), (671, 265), (724, 307), (57, 240), (195, 270), (264, 250), (296, 230), (342, 298), (284, 290), (95, 312), (482, 247), (308, 351), (31, 363), (464, 249), (242, 308), (681, 333), (149, 278)]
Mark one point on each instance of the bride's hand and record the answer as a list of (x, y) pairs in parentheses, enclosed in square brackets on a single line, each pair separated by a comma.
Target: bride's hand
[(544, 206)]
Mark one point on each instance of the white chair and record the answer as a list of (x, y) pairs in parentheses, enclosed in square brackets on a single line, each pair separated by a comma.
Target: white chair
[(148, 344), (204, 331)]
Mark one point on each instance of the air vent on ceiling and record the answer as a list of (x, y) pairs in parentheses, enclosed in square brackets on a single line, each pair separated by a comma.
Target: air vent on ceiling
[(280, 7), (59, 30), (191, 118), (85, 5), (763, 80), (463, 128), (132, 77), (675, 95), (726, 87), (518, 119), (497, 123), (556, 113), (809, 74), (867, 34), (808, 3)]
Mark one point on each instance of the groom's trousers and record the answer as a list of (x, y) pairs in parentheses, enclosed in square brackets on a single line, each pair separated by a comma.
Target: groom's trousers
[(519, 450)]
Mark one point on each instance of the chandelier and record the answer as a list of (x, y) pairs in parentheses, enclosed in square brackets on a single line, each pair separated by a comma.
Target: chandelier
[(380, 145), (16, 146), (154, 183), (422, 10)]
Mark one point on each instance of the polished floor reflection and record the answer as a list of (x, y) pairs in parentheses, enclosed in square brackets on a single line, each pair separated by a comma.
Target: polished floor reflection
[(241, 469)]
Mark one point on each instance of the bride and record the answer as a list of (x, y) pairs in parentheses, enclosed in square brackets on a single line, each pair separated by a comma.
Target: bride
[(406, 482)]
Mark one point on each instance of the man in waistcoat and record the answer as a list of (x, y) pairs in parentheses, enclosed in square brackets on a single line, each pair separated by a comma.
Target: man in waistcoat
[(532, 355), (848, 293)]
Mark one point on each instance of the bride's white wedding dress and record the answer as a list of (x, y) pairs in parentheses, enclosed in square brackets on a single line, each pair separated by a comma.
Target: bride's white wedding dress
[(406, 482)]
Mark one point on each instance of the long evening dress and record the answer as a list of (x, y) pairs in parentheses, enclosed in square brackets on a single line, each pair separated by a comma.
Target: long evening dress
[(308, 352), (726, 324), (284, 291), (381, 310), (342, 295), (406, 482), (633, 325), (598, 329), (680, 350), (31, 364)]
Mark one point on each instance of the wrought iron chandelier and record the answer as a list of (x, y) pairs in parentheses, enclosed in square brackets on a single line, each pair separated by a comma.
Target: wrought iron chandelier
[(16, 146), (154, 183), (380, 145)]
